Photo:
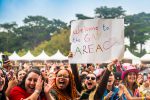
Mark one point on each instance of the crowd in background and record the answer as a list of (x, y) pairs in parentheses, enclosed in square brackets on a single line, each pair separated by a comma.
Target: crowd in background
[(64, 81)]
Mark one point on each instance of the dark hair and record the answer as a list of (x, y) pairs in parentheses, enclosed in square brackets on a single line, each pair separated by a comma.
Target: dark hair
[(2, 93), (85, 70), (90, 64), (92, 73), (18, 72), (22, 84), (135, 85)]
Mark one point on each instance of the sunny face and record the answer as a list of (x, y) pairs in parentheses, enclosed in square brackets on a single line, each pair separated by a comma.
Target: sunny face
[(30, 82), (131, 77), (2, 80), (111, 79), (62, 79), (21, 74), (90, 81)]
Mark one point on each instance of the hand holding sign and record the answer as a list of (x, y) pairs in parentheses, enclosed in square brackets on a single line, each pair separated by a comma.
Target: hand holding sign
[(110, 65)]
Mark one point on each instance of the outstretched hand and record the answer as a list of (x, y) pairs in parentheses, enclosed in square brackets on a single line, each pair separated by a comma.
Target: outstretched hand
[(48, 86), (110, 65), (39, 84)]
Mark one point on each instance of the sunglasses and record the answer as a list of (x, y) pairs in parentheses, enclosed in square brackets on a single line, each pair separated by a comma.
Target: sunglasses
[(92, 78)]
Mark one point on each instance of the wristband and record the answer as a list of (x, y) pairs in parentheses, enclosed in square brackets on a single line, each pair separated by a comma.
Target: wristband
[(37, 91)]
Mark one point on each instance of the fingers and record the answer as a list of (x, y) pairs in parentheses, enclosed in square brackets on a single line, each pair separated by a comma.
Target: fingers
[(109, 94), (39, 83), (110, 65)]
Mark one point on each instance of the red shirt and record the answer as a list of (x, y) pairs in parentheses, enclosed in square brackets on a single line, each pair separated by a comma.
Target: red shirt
[(17, 93)]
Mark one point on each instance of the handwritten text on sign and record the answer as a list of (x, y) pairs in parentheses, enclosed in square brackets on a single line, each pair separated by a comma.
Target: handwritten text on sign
[(97, 40)]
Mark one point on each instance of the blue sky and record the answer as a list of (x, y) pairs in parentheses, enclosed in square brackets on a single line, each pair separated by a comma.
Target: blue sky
[(65, 10)]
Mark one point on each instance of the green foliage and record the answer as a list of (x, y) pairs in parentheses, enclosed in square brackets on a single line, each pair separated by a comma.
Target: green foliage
[(39, 33), (138, 30), (35, 30), (114, 12), (81, 16), (58, 41)]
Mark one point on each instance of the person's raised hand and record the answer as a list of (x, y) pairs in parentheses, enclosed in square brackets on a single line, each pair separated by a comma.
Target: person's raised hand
[(48, 86), (39, 84), (108, 96), (110, 65)]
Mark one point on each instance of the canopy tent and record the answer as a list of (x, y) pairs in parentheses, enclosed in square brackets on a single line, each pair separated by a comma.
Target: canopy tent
[(1, 56), (129, 56), (58, 56), (27, 57), (42, 57), (14, 56), (145, 58)]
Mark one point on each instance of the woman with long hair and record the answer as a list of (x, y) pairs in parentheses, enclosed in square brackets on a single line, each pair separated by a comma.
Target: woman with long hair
[(63, 86), (130, 86), (31, 87)]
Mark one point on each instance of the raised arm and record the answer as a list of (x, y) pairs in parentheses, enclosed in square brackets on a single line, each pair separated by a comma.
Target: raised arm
[(75, 72), (76, 77), (102, 85)]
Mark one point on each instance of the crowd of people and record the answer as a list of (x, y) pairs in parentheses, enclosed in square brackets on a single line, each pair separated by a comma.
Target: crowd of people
[(109, 81)]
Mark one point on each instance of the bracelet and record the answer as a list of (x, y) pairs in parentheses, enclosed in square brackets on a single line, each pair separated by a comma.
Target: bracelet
[(37, 91)]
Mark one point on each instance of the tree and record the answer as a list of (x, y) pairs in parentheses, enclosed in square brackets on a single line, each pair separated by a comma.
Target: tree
[(38, 29), (81, 16), (7, 36), (58, 41), (104, 12), (138, 30)]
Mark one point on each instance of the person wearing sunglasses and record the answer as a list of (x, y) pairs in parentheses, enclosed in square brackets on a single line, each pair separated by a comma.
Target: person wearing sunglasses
[(93, 90), (90, 86), (90, 81)]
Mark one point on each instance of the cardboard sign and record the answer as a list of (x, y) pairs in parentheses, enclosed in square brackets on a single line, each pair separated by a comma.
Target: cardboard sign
[(97, 40)]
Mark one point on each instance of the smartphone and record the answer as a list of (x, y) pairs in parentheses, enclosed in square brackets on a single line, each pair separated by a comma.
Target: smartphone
[(6, 62)]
